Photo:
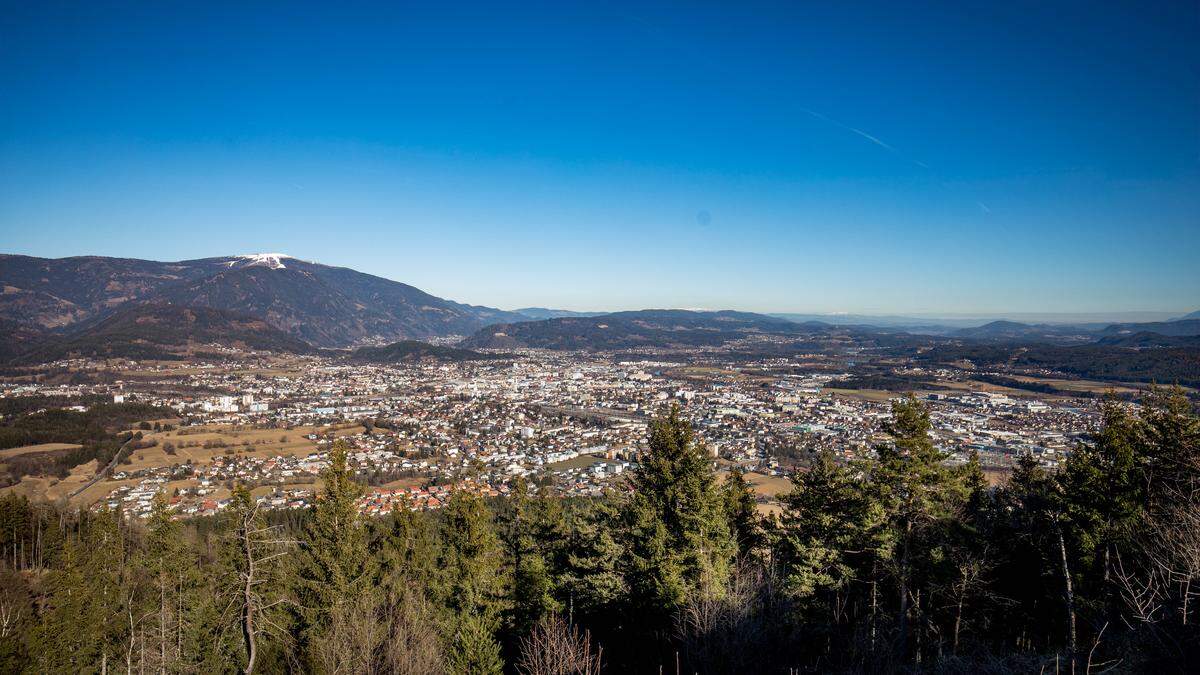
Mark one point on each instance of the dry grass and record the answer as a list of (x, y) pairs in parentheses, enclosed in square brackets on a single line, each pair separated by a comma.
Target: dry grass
[(268, 441), (1083, 385), (873, 395), (40, 447), (577, 462), (766, 487), (242, 441)]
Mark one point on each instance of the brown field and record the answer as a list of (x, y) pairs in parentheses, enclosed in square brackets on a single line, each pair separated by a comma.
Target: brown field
[(53, 489), (1093, 386), (975, 385), (874, 395), (766, 487), (40, 447), (578, 462), (262, 443), (996, 475)]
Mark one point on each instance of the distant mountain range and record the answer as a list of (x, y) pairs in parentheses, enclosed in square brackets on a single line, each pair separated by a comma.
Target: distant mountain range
[(1179, 327), (1149, 340), (322, 305), (684, 328), (537, 313), (130, 308), (1013, 330), (627, 330)]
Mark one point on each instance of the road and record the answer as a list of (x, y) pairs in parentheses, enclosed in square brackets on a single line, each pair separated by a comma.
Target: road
[(103, 472)]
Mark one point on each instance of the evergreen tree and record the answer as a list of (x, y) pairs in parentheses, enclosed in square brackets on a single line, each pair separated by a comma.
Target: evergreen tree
[(472, 586), (1170, 434), (172, 580), (334, 563), (920, 496), (591, 578), (741, 508), (680, 543), (409, 554), (532, 585), (975, 484), (473, 649), (826, 529)]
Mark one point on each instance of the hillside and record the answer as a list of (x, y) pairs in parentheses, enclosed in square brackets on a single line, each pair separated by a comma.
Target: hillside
[(1166, 365), (1178, 327), (16, 337), (1014, 330), (166, 332), (539, 313), (626, 330), (407, 351), (323, 305), (55, 293), (1148, 340)]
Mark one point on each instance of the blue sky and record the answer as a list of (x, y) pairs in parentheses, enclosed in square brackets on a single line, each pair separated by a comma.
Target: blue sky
[(858, 157)]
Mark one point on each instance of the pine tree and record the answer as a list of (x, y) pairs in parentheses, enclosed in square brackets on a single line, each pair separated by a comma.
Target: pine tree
[(975, 483), (826, 529), (334, 563), (171, 576), (591, 578), (473, 649), (1170, 435), (94, 609), (741, 508), (920, 496), (471, 587), (679, 538), (532, 585), (409, 555)]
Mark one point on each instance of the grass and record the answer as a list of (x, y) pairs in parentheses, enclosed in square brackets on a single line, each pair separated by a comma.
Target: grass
[(41, 487), (873, 395), (577, 462), (766, 487), (40, 447)]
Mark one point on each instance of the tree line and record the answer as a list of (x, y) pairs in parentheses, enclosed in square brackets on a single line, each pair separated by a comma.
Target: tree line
[(894, 563)]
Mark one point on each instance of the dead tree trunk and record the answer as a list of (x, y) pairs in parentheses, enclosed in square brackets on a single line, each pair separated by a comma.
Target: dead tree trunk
[(1069, 593)]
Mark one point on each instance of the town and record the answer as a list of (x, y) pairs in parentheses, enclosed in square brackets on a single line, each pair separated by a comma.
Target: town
[(572, 422)]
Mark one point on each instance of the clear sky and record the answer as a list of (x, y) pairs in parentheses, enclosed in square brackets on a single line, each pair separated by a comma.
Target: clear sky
[(795, 156)]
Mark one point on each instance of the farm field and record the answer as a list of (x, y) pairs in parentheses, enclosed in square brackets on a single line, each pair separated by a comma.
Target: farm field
[(189, 444), (578, 462), (40, 447)]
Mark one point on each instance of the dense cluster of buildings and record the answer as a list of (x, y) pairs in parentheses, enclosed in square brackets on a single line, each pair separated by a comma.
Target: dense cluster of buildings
[(575, 421)]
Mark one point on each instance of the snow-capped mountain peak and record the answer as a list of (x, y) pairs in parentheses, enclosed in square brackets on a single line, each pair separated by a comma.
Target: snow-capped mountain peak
[(269, 260)]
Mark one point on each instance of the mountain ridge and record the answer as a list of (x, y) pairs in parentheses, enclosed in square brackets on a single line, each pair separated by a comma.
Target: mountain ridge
[(165, 332), (623, 330), (324, 305)]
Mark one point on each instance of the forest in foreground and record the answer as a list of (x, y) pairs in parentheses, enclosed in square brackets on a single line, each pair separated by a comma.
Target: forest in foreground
[(896, 563)]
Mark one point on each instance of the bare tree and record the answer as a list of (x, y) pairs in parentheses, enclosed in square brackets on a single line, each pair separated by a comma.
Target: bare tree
[(971, 581), (367, 636), (1173, 546), (413, 646), (555, 647), (257, 547), (353, 639), (14, 602), (734, 632)]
